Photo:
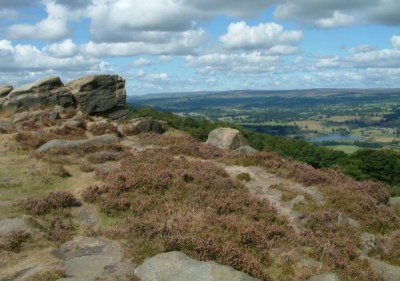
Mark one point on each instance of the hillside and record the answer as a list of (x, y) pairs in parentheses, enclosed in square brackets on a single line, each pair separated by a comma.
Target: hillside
[(93, 191)]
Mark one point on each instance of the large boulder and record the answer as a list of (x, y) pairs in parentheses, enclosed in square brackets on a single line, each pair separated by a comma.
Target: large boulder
[(227, 138), (98, 93), (5, 90), (144, 125), (176, 266), (48, 91)]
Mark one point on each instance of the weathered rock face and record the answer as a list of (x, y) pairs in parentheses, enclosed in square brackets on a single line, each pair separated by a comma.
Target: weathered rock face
[(98, 93), (226, 138), (144, 125), (49, 91), (176, 266), (5, 90), (92, 94)]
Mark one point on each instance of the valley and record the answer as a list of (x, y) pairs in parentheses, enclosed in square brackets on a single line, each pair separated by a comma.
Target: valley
[(341, 119)]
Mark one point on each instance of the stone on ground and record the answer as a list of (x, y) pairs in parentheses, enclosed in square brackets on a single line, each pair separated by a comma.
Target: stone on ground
[(7, 226), (227, 138), (104, 139), (327, 276), (176, 266), (144, 125)]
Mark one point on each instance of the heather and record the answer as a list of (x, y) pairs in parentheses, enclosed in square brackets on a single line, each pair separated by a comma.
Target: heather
[(173, 203)]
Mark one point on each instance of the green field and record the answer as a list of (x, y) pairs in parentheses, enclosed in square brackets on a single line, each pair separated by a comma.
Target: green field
[(363, 118)]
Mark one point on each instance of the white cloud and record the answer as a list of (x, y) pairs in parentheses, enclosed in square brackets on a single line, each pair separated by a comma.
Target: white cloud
[(338, 19), (140, 62), (263, 36), (332, 13), (28, 57), (236, 8), (165, 59), (179, 43), (65, 49), (8, 14), (54, 27), (127, 17), (395, 40)]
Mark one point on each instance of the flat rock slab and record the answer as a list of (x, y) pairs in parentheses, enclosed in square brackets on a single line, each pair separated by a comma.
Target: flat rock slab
[(7, 226), (87, 258), (327, 276), (104, 139), (387, 271), (176, 266)]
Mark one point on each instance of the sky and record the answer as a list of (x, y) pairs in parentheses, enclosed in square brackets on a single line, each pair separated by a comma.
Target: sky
[(203, 45)]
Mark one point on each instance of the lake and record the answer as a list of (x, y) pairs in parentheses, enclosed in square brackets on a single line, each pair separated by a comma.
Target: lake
[(336, 137)]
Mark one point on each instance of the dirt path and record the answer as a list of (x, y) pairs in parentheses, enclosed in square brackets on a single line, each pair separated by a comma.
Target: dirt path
[(272, 187)]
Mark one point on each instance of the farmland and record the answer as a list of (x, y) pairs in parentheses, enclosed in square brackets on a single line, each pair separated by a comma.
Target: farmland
[(342, 119)]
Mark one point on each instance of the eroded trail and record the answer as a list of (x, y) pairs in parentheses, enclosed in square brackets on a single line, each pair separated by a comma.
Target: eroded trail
[(282, 193)]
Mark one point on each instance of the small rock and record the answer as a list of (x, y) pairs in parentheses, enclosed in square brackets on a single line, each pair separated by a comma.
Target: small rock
[(144, 125), (5, 90), (59, 109), (77, 123), (227, 138), (327, 276), (22, 116), (368, 241), (7, 226), (176, 266), (387, 271)]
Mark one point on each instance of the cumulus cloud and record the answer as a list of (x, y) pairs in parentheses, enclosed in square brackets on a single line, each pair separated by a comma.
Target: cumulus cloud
[(263, 36), (128, 17), (332, 13), (8, 14), (140, 62), (18, 3), (253, 62), (29, 57), (395, 40), (180, 43), (338, 19), (236, 8), (54, 27), (65, 49)]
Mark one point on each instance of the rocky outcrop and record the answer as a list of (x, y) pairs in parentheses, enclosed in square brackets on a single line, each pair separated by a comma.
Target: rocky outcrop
[(5, 90), (176, 266), (48, 91), (53, 144), (98, 93), (144, 125), (91, 94), (227, 138)]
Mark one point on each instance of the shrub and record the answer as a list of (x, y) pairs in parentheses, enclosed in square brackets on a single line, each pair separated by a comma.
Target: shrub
[(173, 203), (244, 177), (54, 201), (60, 171), (14, 240)]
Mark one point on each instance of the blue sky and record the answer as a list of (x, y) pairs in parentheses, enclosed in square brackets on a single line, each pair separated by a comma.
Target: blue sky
[(196, 45)]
